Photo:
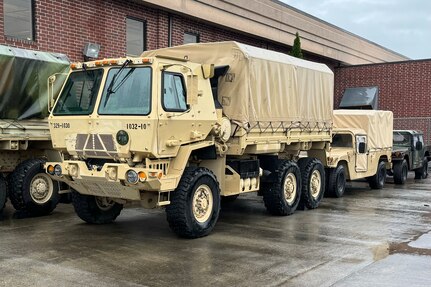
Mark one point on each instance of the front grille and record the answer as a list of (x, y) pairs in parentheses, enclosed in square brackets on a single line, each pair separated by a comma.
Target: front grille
[(95, 145)]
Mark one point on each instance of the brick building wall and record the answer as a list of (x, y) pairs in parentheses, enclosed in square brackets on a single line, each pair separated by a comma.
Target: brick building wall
[(404, 89), (65, 27)]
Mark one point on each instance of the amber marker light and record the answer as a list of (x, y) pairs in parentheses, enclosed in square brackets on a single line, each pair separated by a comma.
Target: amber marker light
[(50, 169), (142, 176)]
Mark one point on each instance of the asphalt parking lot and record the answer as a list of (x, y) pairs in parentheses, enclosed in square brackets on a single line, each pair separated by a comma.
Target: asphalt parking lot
[(367, 238)]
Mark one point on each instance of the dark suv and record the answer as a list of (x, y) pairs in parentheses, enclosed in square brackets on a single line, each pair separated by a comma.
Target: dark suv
[(409, 153)]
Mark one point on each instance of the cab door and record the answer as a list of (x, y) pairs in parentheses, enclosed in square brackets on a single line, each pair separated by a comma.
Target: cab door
[(361, 158), (176, 119)]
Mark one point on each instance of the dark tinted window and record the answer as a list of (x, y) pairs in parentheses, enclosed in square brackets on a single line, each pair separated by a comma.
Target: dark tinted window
[(79, 93), (18, 19), (342, 140)]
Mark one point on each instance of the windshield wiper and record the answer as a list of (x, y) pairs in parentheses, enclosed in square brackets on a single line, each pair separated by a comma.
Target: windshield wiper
[(110, 89), (114, 78)]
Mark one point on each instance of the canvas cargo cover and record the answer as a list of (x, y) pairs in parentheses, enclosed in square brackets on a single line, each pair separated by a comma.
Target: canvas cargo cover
[(264, 86), (23, 81), (377, 124)]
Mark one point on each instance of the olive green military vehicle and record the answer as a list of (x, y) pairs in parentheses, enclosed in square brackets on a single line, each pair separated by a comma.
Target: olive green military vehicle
[(361, 148), (183, 127), (25, 142), (409, 153)]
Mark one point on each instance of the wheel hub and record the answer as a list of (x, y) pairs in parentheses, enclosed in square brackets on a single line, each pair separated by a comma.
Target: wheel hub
[(202, 203), (315, 183), (290, 188), (104, 203), (41, 188)]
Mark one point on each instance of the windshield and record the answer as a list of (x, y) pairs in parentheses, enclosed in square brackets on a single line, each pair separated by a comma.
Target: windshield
[(79, 93), (129, 93), (342, 140), (402, 139)]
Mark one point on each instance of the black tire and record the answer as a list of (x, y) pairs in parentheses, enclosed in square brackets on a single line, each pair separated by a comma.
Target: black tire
[(336, 184), (181, 214), (3, 192), (229, 198), (311, 196), (422, 172), (95, 210), (274, 198), (401, 170), (377, 181), (24, 197)]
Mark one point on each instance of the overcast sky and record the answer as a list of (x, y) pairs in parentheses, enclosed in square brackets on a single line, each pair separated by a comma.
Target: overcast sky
[(400, 25)]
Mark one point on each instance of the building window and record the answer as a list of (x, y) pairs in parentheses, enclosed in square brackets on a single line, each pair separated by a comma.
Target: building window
[(191, 38), (18, 19), (135, 36)]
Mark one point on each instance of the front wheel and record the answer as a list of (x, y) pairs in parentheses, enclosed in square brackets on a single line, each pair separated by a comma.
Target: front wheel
[(401, 170), (31, 189), (336, 181), (94, 209), (195, 204), (422, 172), (377, 181), (282, 198)]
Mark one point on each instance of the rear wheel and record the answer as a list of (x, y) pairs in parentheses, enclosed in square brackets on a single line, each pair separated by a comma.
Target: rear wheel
[(3, 192), (313, 182), (422, 172), (31, 189), (336, 181), (282, 198), (401, 170), (95, 209), (377, 181), (195, 204)]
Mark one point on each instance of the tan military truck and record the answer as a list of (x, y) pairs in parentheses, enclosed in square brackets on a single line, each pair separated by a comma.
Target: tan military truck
[(361, 148), (25, 142), (182, 127)]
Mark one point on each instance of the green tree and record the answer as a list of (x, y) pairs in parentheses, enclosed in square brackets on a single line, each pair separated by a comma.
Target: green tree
[(296, 49)]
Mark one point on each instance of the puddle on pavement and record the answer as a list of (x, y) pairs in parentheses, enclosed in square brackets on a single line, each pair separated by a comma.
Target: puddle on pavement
[(420, 245), (423, 242)]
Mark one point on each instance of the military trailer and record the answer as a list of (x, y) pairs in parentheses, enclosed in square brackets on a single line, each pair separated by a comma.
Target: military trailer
[(361, 148), (409, 153), (182, 127), (25, 142)]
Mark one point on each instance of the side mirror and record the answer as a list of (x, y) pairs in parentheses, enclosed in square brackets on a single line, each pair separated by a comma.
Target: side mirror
[(192, 89), (361, 147), (51, 81), (419, 145)]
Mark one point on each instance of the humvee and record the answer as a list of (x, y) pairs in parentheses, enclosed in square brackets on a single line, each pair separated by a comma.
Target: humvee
[(409, 153)]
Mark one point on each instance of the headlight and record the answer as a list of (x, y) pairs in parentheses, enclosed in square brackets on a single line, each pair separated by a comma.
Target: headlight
[(57, 170), (132, 176), (122, 137)]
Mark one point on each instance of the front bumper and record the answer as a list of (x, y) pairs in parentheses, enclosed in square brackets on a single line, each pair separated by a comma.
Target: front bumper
[(111, 180)]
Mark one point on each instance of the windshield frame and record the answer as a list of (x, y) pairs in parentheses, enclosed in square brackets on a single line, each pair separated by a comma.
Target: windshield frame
[(106, 82), (95, 95)]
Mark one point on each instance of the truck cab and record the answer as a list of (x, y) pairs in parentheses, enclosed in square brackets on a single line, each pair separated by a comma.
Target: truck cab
[(409, 153)]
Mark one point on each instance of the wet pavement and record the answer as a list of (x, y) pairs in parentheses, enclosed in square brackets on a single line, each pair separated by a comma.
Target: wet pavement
[(367, 238)]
